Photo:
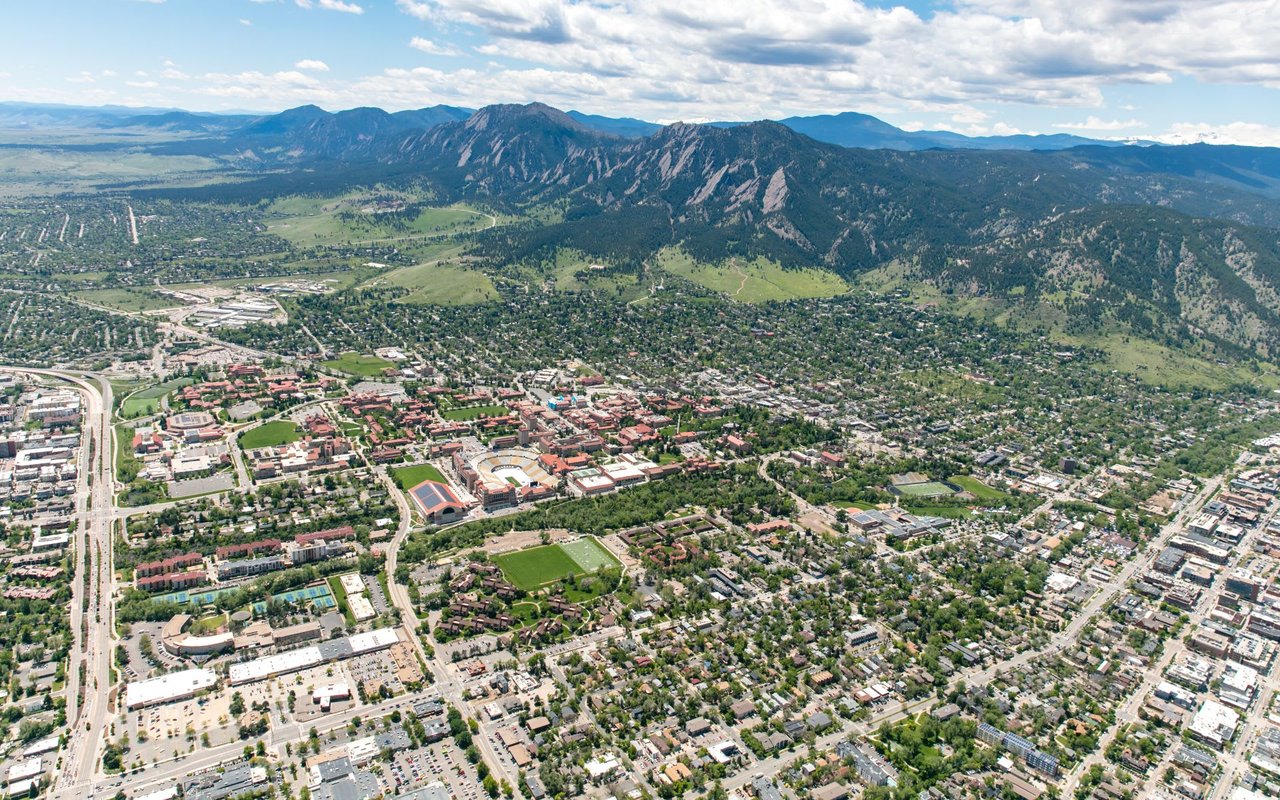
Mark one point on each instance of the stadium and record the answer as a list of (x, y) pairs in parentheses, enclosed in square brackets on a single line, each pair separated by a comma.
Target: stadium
[(504, 478), (517, 467)]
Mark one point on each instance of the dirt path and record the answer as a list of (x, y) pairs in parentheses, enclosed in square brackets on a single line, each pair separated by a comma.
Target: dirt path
[(743, 284), (519, 540)]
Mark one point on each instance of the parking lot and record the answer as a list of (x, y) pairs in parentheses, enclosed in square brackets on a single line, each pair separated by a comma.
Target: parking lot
[(441, 761)]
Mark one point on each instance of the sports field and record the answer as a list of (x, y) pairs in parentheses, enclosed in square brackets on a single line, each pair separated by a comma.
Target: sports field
[(590, 554), (929, 489), (538, 566), (409, 477)]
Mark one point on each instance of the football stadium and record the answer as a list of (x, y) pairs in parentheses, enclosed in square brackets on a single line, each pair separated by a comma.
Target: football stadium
[(517, 467), (504, 478)]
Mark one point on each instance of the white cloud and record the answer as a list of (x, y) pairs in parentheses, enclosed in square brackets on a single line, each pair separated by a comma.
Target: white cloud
[(428, 46), (142, 84), (246, 22), (313, 65), (1094, 123), (331, 5), (744, 59), (748, 57)]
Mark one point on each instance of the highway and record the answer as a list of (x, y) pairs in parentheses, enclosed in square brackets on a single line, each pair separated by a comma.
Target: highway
[(91, 591)]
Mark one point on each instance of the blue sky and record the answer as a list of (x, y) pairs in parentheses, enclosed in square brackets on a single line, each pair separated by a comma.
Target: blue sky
[(1103, 68)]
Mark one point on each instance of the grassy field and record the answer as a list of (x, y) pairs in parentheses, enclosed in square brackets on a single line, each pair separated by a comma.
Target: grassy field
[(977, 488), (147, 401), (126, 299), (409, 477), (538, 566), (44, 171), (952, 512), (441, 285), (351, 218), (340, 595), (757, 281), (270, 435), (207, 625), (335, 279), (467, 414), (929, 489), (362, 366)]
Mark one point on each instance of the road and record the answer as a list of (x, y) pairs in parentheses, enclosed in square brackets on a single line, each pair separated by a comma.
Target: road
[(448, 686), (1103, 597), (91, 593), (1128, 711)]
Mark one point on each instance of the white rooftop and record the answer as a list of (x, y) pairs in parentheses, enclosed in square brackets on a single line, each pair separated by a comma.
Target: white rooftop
[(165, 688)]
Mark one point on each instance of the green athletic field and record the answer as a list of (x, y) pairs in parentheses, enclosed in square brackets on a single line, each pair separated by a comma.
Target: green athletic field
[(409, 477), (538, 566), (590, 554), (929, 489)]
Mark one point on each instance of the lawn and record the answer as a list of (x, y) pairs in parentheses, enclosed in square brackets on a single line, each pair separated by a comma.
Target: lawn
[(951, 512), (270, 435), (853, 504), (139, 406), (147, 401), (757, 281), (361, 366), (340, 595), (467, 414), (409, 477), (207, 625), (977, 488)]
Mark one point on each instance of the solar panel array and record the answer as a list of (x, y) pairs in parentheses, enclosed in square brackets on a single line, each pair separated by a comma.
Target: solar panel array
[(431, 495)]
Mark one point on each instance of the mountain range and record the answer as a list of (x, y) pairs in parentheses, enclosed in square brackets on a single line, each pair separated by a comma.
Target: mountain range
[(1179, 244), (847, 129)]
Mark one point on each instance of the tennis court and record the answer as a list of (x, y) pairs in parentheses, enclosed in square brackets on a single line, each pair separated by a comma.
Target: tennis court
[(320, 596)]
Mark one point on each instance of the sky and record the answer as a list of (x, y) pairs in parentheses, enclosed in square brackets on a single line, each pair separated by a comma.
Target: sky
[(1170, 70)]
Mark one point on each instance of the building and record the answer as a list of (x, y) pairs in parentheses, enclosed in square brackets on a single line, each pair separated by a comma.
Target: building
[(1214, 724), (228, 570), (168, 688), (167, 565), (438, 502), (1015, 744), (326, 651)]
